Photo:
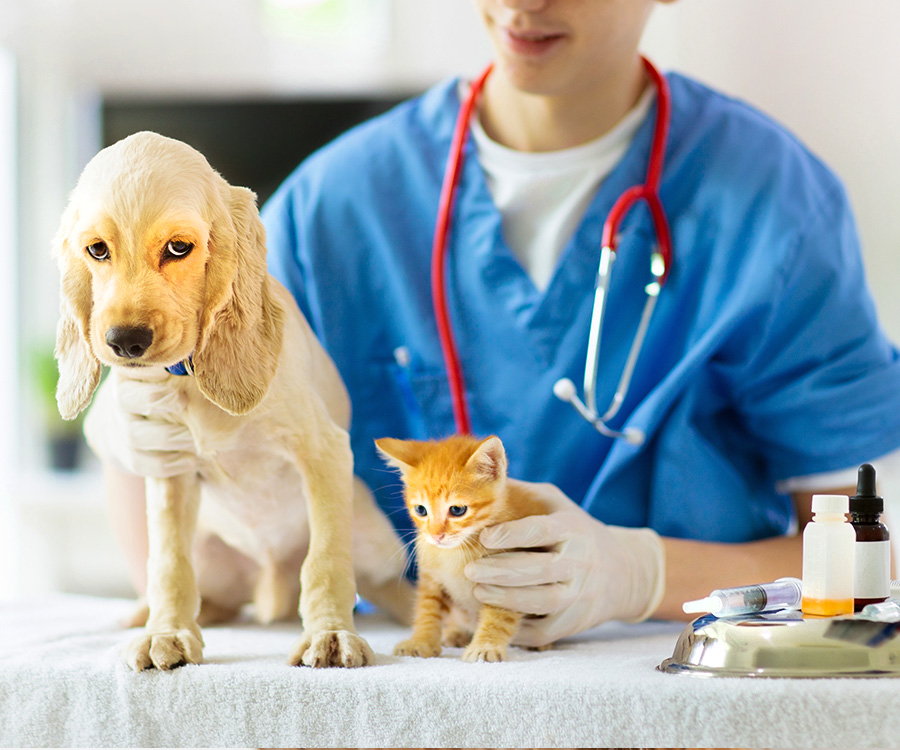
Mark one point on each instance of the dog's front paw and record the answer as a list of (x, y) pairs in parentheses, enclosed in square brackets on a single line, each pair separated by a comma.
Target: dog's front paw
[(165, 649), (484, 652), (412, 647), (331, 648)]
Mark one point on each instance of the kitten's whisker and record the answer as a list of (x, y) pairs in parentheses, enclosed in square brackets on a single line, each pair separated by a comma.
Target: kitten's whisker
[(404, 551), (408, 552), (472, 549), (395, 489), (407, 543), (407, 566)]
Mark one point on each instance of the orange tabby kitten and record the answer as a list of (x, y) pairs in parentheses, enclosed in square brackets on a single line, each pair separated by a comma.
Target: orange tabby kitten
[(454, 488)]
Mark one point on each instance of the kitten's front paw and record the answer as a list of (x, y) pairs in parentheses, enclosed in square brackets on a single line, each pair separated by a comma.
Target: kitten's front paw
[(412, 647), (484, 652), (331, 648), (165, 649)]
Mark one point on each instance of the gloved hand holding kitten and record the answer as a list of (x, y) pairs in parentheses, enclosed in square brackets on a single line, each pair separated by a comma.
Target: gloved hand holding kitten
[(584, 573)]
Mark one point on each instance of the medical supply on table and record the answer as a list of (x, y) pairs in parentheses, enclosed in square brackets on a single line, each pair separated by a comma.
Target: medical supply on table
[(660, 264), (786, 644), (784, 593), (828, 551), (872, 557), (886, 611)]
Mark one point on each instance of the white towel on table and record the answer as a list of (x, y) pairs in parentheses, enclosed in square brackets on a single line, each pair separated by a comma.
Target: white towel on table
[(62, 683)]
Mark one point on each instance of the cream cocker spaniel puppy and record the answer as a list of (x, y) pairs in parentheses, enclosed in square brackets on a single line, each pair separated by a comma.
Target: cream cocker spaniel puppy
[(163, 262)]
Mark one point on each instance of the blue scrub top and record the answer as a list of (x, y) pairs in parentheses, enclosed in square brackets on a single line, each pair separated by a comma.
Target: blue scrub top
[(763, 361)]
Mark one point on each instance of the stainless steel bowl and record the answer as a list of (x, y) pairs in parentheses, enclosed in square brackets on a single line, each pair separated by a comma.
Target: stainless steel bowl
[(785, 644)]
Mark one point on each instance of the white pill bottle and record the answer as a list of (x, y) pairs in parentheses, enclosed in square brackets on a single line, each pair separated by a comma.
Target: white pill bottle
[(828, 551)]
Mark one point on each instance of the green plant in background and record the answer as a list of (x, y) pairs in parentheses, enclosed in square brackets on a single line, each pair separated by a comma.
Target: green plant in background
[(64, 438), (331, 23)]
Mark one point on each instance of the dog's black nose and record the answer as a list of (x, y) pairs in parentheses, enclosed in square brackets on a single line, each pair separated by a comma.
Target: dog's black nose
[(129, 342)]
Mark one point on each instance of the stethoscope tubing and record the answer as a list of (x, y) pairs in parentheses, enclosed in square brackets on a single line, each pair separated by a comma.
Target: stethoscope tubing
[(438, 258), (649, 191)]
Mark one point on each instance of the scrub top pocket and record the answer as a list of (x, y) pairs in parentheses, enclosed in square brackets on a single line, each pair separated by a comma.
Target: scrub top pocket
[(426, 400), (405, 402)]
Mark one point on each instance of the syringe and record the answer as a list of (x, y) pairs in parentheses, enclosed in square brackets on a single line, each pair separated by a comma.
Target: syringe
[(744, 600)]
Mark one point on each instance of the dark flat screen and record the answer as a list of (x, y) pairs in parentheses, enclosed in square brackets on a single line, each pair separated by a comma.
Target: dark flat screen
[(252, 143)]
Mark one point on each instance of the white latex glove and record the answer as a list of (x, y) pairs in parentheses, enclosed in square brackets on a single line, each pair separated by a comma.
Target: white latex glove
[(585, 573), (133, 421)]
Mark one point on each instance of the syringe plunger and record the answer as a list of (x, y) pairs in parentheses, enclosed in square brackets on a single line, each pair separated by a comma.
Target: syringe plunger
[(785, 593), (707, 604)]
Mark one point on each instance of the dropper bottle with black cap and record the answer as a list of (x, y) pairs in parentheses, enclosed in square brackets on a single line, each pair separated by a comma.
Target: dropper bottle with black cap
[(872, 557)]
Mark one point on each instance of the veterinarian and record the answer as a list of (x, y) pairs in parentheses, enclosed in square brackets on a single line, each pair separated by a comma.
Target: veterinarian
[(763, 376)]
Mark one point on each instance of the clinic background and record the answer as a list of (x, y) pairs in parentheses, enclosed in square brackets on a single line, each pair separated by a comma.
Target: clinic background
[(825, 68)]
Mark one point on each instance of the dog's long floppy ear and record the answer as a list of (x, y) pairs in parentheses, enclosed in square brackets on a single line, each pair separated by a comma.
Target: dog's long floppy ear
[(242, 323), (79, 369)]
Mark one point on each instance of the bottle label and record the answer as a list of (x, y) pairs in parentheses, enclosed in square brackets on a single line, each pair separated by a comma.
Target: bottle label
[(872, 565), (828, 555)]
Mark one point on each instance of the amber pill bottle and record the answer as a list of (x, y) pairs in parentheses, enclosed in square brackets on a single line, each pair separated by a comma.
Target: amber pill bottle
[(872, 556)]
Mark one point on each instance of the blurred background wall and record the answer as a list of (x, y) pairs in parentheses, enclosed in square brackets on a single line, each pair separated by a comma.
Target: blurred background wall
[(69, 68)]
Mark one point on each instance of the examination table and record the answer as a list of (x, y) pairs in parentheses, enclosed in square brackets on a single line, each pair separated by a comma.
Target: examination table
[(62, 683)]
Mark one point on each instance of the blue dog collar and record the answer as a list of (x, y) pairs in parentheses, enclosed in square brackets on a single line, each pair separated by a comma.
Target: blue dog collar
[(185, 367)]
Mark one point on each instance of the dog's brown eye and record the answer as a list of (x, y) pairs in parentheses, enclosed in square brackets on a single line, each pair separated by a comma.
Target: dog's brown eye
[(178, 248), (98, 251)]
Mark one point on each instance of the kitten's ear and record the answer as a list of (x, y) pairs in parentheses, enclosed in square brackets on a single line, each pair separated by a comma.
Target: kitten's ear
[(401, 454), (489, 460)]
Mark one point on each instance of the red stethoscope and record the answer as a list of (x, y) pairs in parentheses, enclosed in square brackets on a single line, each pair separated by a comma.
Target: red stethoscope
[(660, 263)]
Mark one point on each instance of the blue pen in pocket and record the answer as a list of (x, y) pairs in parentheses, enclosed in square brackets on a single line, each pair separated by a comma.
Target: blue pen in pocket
[(403, 358)]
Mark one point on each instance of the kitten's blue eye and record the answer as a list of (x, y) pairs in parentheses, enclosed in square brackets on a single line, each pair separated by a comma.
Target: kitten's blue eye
[(458, 510), (420, 510)]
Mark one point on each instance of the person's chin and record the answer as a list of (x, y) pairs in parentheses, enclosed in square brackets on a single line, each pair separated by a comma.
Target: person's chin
[(539, 75)]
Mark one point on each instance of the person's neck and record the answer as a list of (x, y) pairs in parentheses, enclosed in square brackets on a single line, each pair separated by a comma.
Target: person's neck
[(538, 122)]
